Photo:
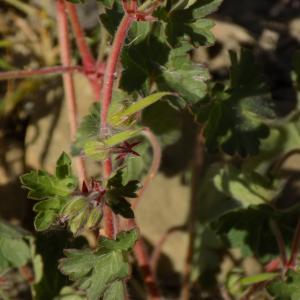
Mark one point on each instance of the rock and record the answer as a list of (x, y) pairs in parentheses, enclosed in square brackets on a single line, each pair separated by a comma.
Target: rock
[(165, 204), (294, 28)]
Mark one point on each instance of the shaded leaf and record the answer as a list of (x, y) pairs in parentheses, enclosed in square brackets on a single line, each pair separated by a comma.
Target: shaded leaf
[(117, 192), (236, 118), (15, 247), (289, 289), (247, 187)]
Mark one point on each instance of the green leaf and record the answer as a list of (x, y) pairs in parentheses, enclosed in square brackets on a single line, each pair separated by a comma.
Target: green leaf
[(249, 229), (15, 249), (115, 292), (99, 150), (88, 130), (42, 185), (289, 289), (69, 293), (54, 191), (258, 278), (63, 166), (164, 121), (247, 187), (237, 116), (97, 271), (112, 16), (121, 137), (47, 212), (143, 61), (80, 214), (116, 119), (184, 18), (183, 76)]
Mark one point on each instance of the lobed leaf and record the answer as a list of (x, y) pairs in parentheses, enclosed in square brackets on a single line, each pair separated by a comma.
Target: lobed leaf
[(52, 190), (99, 272), (236, 120)]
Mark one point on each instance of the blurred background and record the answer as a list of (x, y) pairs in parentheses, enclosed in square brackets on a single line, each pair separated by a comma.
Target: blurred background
[(34, 127)]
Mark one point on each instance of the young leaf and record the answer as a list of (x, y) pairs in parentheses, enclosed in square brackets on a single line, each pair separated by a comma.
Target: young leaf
[(47, 212), (88, 130), (258, 278), (99, 150), (116, 119), (42, 185), (63, 166), (54, 191), (117, 192), (98, 271)]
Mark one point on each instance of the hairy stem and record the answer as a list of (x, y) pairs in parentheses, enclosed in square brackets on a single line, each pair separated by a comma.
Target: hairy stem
[(43, 71), (111, 66), (109, 76), (88, 60), (295, 247), (143, 262), (109, 217), (68, 79)]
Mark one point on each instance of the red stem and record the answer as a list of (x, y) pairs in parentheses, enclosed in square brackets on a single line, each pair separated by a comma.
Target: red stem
[(43, 71), (109, 226), (86, 55), (280, 242), (143, 262), (109, 76), (88, 60), (295, 247), (111, 66), (68, 79)]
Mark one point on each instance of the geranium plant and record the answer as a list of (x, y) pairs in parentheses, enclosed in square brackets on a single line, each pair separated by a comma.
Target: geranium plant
[(141, 89)]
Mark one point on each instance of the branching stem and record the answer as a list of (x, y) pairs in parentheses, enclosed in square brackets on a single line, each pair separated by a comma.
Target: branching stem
[(68, 79), (89, 63), (43, 71), (111, 66), (108, 82)]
